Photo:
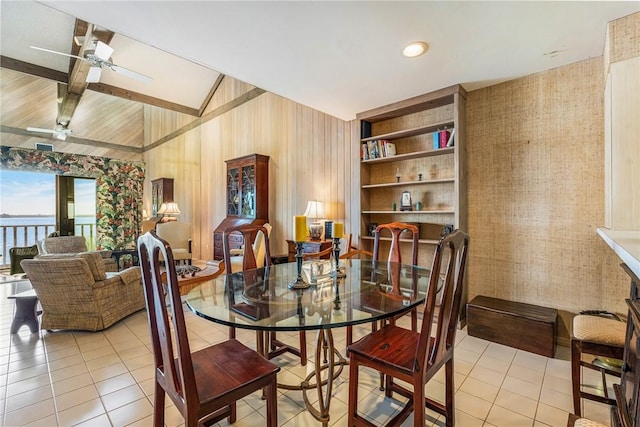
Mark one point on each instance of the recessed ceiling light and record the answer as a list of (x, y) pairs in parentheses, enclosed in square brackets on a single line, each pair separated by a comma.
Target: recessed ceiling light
[(415, 49)]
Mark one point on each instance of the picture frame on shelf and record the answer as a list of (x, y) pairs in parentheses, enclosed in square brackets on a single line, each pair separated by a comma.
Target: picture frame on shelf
[(405, 201)]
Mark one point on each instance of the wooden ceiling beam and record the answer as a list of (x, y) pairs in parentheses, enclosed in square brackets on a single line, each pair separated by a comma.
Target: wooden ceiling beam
[(212, 92), (34, 70), (80, 69), (145, 99)]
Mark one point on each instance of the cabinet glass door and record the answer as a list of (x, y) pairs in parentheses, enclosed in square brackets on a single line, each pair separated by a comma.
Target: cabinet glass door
[(233, 191), (248, 191)]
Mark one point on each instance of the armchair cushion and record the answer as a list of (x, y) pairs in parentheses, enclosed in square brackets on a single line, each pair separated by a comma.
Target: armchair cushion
[(178, 234), (63, 245), (57, 245), (94, 261)]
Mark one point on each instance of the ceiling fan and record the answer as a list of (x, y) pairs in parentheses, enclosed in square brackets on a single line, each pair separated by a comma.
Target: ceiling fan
[(98, 58), (59, 132)]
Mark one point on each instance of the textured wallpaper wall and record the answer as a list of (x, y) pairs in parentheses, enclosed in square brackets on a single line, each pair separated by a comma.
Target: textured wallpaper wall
[(536, 191)]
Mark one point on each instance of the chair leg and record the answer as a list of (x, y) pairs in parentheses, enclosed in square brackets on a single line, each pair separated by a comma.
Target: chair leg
[(272, 408), (418, 404), (158, 406), (232, 332), (352, 405), (576, 357), (450, 393), (232, 413)]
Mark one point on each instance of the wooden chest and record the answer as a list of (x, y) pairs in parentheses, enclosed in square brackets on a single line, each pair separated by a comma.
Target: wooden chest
[(524, 326)]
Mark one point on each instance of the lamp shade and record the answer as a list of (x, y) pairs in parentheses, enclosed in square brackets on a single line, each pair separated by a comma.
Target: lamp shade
[(315, 210), (170, 208)]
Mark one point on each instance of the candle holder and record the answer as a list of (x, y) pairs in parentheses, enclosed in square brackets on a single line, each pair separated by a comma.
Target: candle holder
[(336, 256), (299, 283)]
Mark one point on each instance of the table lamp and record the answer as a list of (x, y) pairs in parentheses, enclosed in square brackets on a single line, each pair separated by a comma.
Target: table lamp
[(315, 211), (169, 211)]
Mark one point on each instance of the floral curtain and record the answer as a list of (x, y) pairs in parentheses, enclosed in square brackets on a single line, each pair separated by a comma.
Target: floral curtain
[(119, 187)]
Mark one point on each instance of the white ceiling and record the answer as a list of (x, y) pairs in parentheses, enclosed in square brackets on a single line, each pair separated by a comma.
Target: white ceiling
[(345, 57)]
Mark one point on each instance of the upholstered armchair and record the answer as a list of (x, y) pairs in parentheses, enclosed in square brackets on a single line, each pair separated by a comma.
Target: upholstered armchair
[(178, 234), (72, 245), (76, 292)]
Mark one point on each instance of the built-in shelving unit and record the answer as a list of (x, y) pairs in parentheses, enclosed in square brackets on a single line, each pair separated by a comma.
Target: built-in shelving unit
[(432, 174)]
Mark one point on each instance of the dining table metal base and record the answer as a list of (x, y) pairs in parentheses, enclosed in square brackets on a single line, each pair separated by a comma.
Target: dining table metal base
[(327, 359)]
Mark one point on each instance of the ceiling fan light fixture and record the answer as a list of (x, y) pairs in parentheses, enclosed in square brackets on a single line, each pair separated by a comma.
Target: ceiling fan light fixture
[(94, 74), (414, 49)]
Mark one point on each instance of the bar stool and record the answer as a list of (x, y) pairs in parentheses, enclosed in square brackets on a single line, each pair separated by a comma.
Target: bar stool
[(597, 336)]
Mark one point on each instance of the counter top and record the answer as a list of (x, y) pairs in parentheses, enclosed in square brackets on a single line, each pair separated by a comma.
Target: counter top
[(626, 244)]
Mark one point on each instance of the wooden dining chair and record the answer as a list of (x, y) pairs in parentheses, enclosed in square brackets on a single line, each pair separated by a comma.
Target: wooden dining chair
[(204, 385), (416, 357), (250, 234), (394, 257)]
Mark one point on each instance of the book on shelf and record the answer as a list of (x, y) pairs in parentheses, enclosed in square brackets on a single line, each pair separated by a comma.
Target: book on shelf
[(390, 148), (450, 140), (444, 138), (376, 149), (364, 151), (373, 149), (436, 140)]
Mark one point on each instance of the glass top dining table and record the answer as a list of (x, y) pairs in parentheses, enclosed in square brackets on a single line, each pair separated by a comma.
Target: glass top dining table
[(263, 300)]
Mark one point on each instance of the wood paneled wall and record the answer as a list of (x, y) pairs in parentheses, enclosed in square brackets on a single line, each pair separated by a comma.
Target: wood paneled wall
[(535, 188), (311, 157)]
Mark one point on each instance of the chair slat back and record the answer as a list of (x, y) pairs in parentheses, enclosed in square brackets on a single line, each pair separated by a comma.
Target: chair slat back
[(166, 321), (250, 234), (396, 228), (449, 263)]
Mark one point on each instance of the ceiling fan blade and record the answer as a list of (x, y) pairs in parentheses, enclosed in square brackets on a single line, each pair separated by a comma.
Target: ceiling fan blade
[(94, 74), (56, 52), (131, 73), (30, 129), (103, 50)]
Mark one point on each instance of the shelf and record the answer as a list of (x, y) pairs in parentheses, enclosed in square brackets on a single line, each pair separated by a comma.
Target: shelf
[(405, 183), (411, 132), (446, 211), (414, 155), (388, 239)]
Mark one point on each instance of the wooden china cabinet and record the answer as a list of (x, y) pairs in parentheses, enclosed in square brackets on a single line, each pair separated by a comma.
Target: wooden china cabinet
[(161, 192), (247, 197)]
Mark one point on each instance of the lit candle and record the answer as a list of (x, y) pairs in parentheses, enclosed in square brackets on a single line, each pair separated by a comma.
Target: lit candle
[(337, 230), (299, 228)]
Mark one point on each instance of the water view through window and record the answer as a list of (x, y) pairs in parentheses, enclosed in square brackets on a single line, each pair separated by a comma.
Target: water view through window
[(28, 205)]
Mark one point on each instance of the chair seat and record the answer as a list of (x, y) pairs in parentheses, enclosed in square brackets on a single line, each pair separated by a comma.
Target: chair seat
[(233, 365), (599, 329), (391, 345), (584, 422)]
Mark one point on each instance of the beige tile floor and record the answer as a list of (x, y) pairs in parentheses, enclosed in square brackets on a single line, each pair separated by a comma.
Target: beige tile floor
[(106, 379)]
